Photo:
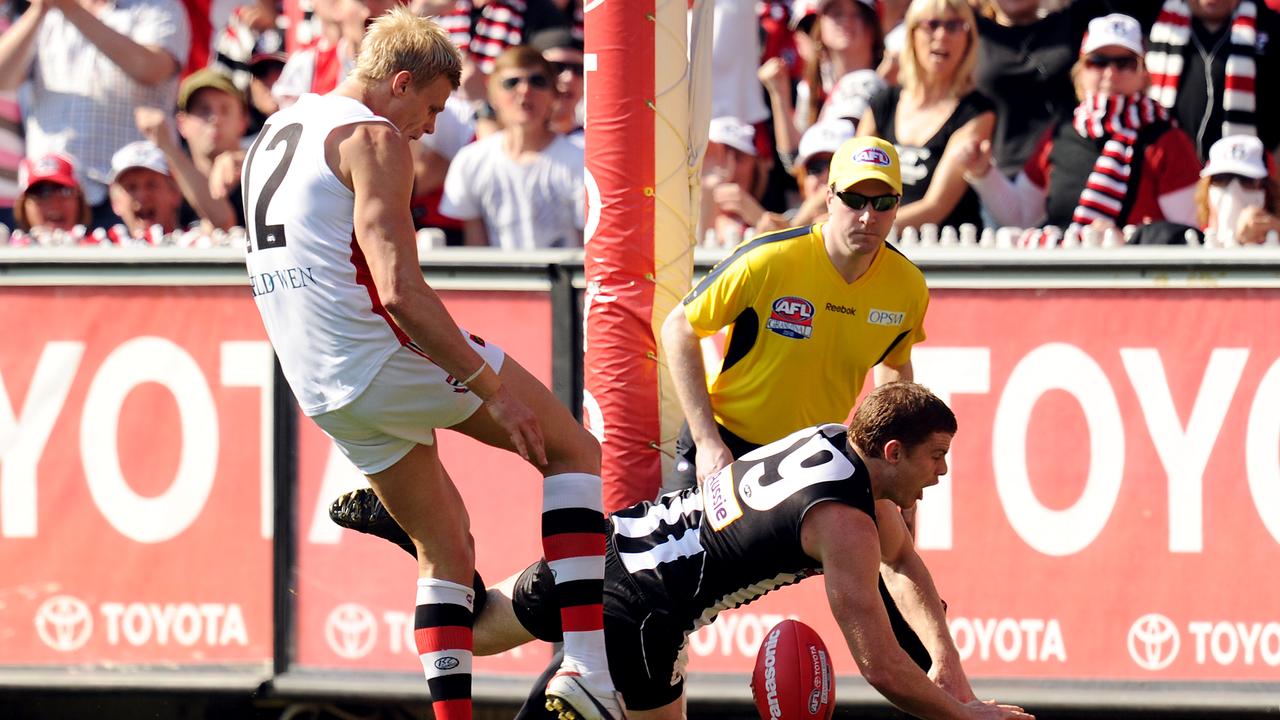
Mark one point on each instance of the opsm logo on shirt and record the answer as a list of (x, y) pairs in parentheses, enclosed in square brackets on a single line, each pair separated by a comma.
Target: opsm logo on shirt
[(885, 317)]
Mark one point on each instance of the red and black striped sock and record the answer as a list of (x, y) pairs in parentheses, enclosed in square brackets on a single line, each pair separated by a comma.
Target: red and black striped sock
[(573, 536), (442, 633)]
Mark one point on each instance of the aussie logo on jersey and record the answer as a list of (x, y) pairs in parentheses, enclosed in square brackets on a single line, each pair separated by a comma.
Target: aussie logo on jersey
[(791, 317)]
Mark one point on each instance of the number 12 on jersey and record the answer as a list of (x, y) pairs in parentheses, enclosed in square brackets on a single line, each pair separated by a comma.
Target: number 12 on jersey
[(261, 235)]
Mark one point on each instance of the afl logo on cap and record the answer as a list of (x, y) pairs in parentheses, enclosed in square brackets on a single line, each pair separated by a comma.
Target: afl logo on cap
[(872, 156)]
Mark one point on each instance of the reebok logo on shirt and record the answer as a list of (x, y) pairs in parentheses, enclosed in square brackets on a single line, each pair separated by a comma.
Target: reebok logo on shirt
[(842, 309)]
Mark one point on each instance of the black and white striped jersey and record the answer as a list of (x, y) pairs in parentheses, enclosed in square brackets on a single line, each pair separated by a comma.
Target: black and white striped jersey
[(704, 550)]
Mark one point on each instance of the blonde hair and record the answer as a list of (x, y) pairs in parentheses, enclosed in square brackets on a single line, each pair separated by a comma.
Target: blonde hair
[(910, 75), (400, 40)]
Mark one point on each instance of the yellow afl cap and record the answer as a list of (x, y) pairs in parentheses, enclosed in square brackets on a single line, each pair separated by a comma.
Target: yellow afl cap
[(865, 158)]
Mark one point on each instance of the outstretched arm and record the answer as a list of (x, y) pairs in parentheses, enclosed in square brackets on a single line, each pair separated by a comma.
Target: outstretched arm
[(912, 587), (846, 542)]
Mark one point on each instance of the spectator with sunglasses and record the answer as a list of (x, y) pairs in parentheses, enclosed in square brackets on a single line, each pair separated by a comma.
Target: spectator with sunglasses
[(1237, 198), (808, 311), (520, 187), (934, 113), (1116, 160), (564, 53), (49, 196)]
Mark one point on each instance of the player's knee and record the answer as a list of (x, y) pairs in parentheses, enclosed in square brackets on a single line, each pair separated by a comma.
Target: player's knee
[(582, 450)]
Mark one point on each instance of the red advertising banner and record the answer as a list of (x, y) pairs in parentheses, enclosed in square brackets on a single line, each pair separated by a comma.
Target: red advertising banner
[(1112, 510), (356, 594), (1113, 506), (135, 511)]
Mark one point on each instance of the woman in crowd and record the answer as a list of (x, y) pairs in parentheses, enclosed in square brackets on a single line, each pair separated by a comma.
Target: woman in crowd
[(834, 38), (934, 113), (1116, 160), (812, 167), (1237, 198), (49, 196)]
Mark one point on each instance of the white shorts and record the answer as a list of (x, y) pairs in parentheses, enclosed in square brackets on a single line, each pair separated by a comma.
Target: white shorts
[(408, 398)]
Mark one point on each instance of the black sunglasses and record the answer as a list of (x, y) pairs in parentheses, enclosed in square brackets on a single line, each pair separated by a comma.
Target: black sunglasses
[(858, 201), (559, 67), (1248, 183), (538, 82), (1122, 63), (45, 190)]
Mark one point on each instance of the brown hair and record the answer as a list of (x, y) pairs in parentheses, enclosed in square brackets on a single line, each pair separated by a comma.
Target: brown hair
[(399, 40), (910, 74), (902, 411), (813, 65)]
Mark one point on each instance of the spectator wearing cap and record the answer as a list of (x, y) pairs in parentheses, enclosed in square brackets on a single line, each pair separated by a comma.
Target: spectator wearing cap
[(212, 119), (90, 63), (1214, 65), (49, 196), (522, 186), (564, 52), (1116, 160), (732, 181), (812, 166), (1024, 67), (934, 113), (1237, 198), (143, 193)]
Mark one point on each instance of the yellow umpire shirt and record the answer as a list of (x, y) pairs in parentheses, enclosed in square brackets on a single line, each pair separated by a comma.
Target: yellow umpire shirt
[(801, 339)]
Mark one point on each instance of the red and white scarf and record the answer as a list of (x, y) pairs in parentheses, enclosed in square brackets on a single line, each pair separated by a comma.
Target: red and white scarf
[(1169, 38), (1118, 118), (500, 26)]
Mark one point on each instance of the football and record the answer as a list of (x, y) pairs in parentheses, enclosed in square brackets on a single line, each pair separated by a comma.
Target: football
[(793, 678)]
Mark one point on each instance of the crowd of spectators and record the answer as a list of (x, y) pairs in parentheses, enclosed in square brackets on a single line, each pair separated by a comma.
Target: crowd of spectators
[(128, 120), (1051, 120)]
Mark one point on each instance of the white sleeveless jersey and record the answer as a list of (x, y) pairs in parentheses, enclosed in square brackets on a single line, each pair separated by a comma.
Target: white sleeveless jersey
[(308, 276)]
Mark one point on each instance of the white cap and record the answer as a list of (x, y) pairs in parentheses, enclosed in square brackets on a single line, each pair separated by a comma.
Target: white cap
[(733, 132), (852, 93), (1113, 29), (1236, 155), (825, 136), (139, 154)]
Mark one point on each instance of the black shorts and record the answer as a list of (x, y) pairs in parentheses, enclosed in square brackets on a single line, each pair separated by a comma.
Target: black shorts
[(642, 643)]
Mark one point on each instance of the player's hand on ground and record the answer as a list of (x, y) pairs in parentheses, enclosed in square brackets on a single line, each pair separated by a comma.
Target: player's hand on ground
[(991, 709), (710, 458), (520, 424)]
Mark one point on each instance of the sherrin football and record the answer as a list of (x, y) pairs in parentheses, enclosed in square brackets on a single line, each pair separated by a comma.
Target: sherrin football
[(793, 678)]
